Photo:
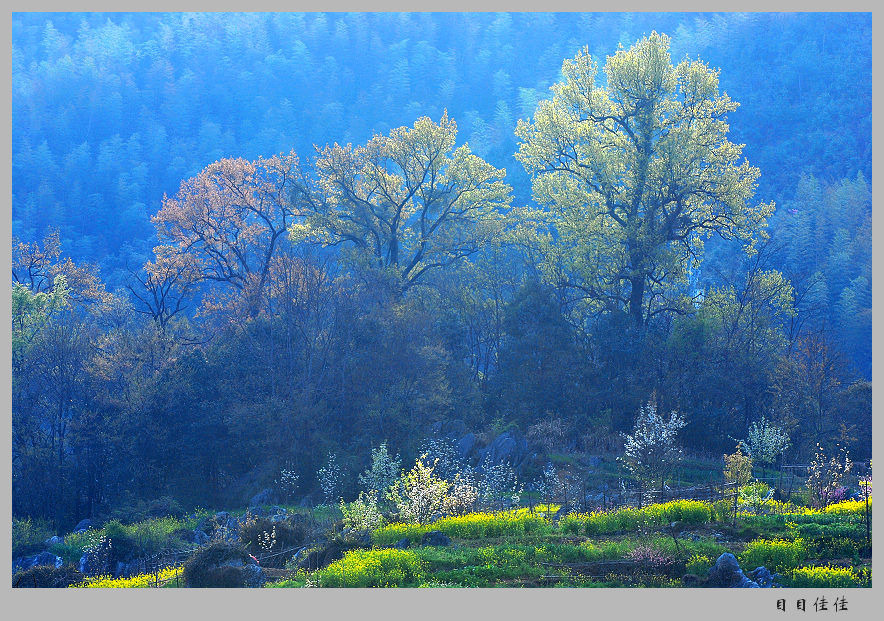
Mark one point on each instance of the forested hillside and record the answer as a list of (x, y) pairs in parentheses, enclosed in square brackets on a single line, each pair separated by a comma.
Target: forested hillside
[(243, 243)]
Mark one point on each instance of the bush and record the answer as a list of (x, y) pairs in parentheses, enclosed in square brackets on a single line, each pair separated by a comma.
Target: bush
[(28, 536), (141, 581), (826, 577), (206, 567), (362, 514), (699, 565), (75, 545), (260, 534), (777, 555), (46, 576), (373, 568), (631, 518)]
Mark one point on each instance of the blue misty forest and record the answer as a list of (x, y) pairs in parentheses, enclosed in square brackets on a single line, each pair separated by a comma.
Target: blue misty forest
[(441, 300)]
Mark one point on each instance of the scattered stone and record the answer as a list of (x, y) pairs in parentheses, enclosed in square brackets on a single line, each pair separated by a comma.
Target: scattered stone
[(24, 563), (764, 578), (435, 538)]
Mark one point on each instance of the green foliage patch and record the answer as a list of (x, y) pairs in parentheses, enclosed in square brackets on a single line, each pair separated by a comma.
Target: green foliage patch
[(827, 577), (777, 555), (373, 568), (470, 526)]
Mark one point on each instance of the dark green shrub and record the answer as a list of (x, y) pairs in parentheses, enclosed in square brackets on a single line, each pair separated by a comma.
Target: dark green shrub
[(213, 566), (46, 576), (261, 535), (122, 546), (28, 536)]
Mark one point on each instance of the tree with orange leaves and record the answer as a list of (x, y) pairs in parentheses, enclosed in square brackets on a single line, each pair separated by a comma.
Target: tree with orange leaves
[(231, 219)]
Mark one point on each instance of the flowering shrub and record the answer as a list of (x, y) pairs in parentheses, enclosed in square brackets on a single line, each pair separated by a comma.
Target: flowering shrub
[(141, 581), (287, 482), (699, 565), (499, 487), (848, 507), (766, 442), (777, 555), (470, 526), (631, 518), (827, 577), (362, 514), (419, 494), (329, 477), (650, 557), (382, 474), (650, 449), (373, 568), (462, 495), (826, 475)]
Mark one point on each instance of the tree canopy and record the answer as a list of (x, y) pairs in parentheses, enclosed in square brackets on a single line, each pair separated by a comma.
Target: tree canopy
[(637, 172)]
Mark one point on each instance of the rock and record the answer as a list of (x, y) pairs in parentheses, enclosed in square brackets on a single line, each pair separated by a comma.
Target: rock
[(253, 576), (53, 540), (763, 577), (24, 563), (83, 526), (435, 538), (726, 573), (562, 512), (509, 447), (200, 537), (465, 446), (266, 496), (402, 543)]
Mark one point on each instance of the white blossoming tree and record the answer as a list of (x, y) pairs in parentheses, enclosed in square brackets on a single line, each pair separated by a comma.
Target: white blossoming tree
[(766, 442), (650, 450)]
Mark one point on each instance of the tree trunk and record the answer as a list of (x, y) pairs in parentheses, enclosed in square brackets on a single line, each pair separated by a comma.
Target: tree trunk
[(635, 299)]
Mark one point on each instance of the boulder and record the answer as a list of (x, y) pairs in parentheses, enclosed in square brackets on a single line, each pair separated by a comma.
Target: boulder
[(53, 540), (402, 543), (435, 538), (200, 537), (24, 563), (726, 573), (253, 576), (509, 447), (465, 446), (83, 526), (266, 496), (763, 577)]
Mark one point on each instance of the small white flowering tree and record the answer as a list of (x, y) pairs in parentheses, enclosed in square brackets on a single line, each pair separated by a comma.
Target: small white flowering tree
[(826, 476), (766, 442), (418, 495), (329, 477), (650, 450), (499, 486), (382, 474), (362, 514)]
